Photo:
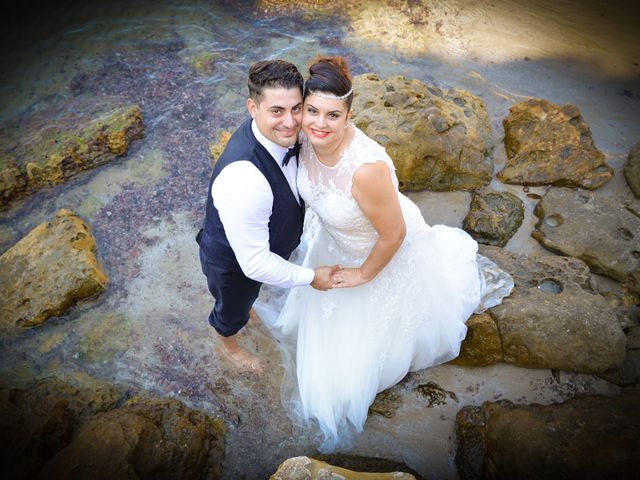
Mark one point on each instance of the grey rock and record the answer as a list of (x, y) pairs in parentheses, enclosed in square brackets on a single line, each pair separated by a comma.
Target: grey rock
[(494, 217), (553, 318), (584, 437), (602, 232), (632, 170)]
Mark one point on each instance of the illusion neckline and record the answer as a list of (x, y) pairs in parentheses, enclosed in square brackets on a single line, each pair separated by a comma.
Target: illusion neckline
[(342, 155)]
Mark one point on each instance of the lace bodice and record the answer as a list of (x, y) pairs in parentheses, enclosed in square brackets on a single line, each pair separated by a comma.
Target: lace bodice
[(327, 191)]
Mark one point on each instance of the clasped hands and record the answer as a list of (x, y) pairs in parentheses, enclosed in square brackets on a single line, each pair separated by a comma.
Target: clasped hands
[(335, 276)]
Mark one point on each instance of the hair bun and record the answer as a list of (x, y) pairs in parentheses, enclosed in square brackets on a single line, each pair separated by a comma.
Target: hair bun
[(337, 62)]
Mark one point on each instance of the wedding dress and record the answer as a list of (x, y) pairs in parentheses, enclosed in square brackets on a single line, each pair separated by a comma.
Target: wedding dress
[(355, 342)]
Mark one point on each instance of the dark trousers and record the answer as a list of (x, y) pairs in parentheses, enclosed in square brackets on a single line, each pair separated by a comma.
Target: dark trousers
[(234, 293)]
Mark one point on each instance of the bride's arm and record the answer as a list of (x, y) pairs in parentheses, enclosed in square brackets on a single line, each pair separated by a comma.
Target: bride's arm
[(377, 197)]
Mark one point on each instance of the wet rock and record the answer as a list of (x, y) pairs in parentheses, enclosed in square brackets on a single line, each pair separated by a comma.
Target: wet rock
[(438, 139), (482, 345), (52, 156), (305, 468), (551, 144), (49, 270), (602, 232), (585, 437), (63, 431), (494, 217), (107, 338), (632, 170), (386, 403), (217, 146), (435, 394), (553, 318)]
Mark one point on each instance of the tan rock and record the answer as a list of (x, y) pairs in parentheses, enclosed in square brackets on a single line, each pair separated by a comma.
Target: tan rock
[(217, 146), (482, 345), (49, 270), (145, 437), (305, 468), (438, 140), (75, 429), (53, 156), (551, 144)]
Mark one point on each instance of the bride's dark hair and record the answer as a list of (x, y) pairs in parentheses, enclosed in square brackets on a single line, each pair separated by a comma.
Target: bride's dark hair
[(330, 75)]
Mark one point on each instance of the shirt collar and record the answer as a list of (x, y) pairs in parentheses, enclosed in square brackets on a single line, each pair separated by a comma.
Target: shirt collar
[(276, 151)]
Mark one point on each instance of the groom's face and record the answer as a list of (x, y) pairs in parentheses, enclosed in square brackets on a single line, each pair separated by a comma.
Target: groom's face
[(278, 114)]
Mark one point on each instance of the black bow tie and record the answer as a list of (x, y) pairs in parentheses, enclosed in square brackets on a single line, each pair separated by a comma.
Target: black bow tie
[(292, 152)]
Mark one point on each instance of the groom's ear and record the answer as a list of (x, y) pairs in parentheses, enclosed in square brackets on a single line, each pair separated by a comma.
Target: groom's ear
[(252, 107)]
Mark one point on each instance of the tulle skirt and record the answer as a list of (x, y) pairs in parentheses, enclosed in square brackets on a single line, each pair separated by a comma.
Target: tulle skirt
[(353, 343)]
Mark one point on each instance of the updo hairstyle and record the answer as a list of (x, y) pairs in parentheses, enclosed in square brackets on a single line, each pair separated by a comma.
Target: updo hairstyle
[(330, 75)]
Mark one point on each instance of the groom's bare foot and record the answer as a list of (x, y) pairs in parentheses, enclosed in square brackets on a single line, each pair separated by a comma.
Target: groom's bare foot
[(239, 357)]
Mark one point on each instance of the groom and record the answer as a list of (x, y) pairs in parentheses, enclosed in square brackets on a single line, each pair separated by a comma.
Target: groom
[(254, 215)]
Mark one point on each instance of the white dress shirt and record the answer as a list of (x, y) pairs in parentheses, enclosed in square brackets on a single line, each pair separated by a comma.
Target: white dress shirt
[(244, 201)]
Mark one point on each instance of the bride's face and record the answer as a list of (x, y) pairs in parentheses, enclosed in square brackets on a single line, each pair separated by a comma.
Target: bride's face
[(324, 120)]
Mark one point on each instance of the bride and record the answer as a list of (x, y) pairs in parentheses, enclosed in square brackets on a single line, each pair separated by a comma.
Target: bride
[(406, 289)]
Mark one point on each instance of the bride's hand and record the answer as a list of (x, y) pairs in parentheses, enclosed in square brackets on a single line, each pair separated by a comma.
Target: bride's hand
[(347, 277)]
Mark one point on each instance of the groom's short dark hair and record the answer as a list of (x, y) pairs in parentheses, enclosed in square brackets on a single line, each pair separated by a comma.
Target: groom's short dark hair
[(273, 74)]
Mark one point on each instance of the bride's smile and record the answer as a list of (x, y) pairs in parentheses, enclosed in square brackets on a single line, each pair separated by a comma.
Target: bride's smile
[(324, 121)]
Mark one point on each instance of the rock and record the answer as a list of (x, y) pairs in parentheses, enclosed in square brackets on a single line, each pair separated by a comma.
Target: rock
[(602, 232), (435, 394), (305, 468), (146, 438), (553, 318), (584, 437), (63, 431), (39, 421), (49, 270), (438, 140), (217, 146), (482, 345), (551, 144), (628, 373), (55, 156), (386, 403), (494, 217), (632, 170)]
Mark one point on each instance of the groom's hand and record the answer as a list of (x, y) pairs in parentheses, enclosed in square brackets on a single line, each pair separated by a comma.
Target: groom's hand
[(322, 277)]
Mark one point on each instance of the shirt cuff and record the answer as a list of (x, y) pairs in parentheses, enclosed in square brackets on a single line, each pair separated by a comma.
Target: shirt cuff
[(305, 276)]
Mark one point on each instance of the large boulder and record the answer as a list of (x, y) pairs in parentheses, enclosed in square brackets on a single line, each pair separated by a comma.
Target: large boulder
[(554, 318), (601, 231), (585, 437), (438, 139), (49, 270), (305, 468), (494, 217), (55, 430), (52, 156), (551, 144), (632, 170)]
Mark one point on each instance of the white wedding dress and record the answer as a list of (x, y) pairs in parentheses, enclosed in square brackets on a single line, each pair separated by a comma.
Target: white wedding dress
[(355, 342)]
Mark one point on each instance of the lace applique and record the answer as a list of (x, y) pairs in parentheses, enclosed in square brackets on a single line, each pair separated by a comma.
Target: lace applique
[(327, 190)]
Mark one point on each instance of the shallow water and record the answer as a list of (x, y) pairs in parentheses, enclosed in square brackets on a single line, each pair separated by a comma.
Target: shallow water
[(149, 331)]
